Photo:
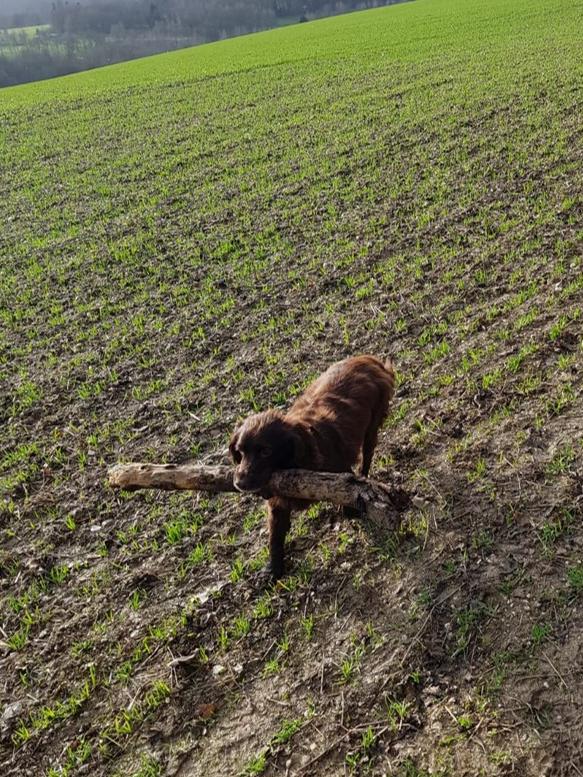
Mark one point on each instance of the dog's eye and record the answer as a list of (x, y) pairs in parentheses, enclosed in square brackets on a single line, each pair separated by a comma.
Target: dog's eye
[(265, 452)]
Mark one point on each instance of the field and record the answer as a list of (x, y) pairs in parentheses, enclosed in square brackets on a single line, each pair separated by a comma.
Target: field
[(28, 31), (190, 237), (13, 39)]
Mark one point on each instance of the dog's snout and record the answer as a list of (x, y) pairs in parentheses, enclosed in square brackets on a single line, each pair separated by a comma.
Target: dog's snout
[(246, 487), (243, 482)]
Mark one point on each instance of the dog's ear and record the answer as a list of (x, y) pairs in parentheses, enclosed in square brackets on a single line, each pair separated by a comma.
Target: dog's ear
[(292, 449), (233, 444)]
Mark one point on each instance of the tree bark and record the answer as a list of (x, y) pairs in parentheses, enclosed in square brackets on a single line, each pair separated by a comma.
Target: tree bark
[(378, 503)]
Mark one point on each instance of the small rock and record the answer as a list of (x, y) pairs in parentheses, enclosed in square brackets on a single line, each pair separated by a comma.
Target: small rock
[(218, 669), (11, 711), (204, 596)]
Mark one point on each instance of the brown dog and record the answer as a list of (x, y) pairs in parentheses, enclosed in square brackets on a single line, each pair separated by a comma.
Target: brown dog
[(332, 425)]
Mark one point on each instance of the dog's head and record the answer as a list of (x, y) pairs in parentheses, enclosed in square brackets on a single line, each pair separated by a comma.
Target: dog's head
[(263, 443)]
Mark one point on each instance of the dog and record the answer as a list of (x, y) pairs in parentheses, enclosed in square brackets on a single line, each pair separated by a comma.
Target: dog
[(329, 428)]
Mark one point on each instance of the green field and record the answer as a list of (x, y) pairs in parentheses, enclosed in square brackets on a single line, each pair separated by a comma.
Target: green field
[(12, 39), (193, 236), (29, 31)]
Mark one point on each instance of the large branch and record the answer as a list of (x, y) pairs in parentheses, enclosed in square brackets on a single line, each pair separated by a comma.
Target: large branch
[(375, 501)]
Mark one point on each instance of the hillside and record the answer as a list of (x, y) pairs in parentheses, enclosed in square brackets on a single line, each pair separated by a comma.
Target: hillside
[(93, 33), (189, 237)]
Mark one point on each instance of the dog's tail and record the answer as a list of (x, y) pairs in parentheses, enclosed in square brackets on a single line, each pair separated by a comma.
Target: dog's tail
[(389, 367), (388, 386)]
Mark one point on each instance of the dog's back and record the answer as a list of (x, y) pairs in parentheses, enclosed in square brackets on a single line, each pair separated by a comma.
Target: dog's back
[(343, 410), (363, 381)]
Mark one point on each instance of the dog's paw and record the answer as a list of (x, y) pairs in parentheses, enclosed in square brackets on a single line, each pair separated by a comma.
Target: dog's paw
[(276, 570), (359, 511), (350, 512), (262, 578)]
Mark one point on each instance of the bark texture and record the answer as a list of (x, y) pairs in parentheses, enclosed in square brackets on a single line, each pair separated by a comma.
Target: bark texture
[(374, 501)]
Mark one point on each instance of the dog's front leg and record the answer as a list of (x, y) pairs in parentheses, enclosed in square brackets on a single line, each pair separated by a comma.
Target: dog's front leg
[(278, 522)]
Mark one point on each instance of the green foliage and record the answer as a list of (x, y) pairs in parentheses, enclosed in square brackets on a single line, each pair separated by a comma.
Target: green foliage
[(468, 621), (237, 570), (149, 767), (562, 460), (257, 764), (286, 731), (308, 626), (539, 633), (350, 665), (575, 578), (397, 711)]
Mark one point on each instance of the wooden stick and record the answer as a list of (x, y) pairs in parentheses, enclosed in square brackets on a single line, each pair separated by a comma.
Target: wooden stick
[(375, 501), (171, 477)]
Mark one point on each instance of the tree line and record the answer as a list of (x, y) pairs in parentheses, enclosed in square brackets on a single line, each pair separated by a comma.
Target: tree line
[(90, 33)]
